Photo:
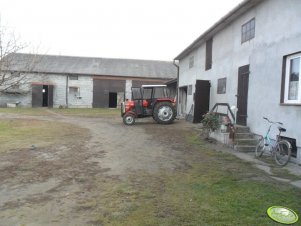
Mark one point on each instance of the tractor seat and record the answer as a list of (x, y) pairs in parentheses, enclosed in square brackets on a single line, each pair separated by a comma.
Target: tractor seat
[(281, 129)]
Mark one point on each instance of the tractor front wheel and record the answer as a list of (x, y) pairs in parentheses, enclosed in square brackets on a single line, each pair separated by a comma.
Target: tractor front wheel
[(164, 113), (129, 119)]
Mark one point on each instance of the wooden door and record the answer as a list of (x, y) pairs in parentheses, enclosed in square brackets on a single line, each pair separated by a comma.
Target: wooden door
[(242, 95), (50, 96), (201, 100), (37, 95)]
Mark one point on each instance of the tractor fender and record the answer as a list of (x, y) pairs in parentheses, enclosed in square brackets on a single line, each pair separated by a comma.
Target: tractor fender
[(159, 100), (131, 113)]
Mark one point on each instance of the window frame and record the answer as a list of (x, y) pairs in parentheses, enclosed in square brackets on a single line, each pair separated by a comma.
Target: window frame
[(75, 90), (73, 77), (248, 31), (222, 82), (286, 74), (208, 56)]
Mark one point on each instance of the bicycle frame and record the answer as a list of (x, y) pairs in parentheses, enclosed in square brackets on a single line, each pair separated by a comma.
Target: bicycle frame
[(267, 139), (280, 149)]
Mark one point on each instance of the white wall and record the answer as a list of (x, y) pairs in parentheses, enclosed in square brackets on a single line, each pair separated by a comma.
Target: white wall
[(266, 67), (188, 76), (85, 84), (277, 33), (85, 98)]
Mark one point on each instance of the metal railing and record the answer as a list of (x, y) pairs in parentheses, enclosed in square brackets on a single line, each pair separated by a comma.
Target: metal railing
[(229, 111)]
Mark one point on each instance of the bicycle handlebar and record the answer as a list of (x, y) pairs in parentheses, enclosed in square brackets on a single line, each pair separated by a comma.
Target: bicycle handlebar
[(280, 123)]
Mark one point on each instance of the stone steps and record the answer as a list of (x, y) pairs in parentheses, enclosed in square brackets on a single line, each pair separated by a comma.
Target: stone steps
[(249, 141), (244, 148), (244, 140), (244, 135)]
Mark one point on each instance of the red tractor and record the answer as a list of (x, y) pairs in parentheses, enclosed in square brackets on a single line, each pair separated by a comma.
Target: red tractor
[(149, 100)]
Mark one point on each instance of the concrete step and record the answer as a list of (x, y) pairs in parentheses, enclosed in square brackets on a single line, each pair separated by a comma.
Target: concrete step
[(244, 135), (245, 148), (242, 129), (247, 141)]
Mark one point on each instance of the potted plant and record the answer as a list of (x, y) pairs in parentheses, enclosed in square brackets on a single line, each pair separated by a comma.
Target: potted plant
[(210, 123)]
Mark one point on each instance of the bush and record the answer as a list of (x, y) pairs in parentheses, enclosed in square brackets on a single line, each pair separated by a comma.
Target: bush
[(210, 122)]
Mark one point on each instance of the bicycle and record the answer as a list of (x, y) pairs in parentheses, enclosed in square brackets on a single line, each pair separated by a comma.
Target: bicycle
[(281, 149)]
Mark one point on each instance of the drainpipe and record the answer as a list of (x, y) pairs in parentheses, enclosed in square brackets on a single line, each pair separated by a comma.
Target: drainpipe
[(67, 84), (176, 63)]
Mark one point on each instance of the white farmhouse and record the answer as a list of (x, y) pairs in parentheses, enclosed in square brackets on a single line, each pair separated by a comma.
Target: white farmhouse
[(251, 59)]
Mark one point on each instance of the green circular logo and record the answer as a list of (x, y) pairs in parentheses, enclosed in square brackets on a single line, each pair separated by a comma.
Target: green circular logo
[(282, 215)]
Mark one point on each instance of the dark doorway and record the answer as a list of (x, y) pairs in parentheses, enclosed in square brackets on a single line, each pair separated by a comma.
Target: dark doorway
[(102, 89), (112, 100), (42, 96), (201, 99), (242, 95)]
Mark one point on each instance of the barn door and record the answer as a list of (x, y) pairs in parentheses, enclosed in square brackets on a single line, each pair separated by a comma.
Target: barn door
[(201, 99), (242, 95), (50, 96), (37, 95)]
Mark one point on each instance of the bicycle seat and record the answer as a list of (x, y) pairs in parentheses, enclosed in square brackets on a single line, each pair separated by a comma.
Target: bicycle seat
[(281, 129)]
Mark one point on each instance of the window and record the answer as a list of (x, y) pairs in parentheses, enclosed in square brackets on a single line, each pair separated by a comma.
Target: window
[(160, 92), (147, 93), (73, 77), (191, 62), (292, 84), (221, 85), (208, 58), (74, 91), (248, 30), (136, 93)]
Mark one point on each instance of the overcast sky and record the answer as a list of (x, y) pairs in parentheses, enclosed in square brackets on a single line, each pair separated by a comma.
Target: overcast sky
[(136, 29)]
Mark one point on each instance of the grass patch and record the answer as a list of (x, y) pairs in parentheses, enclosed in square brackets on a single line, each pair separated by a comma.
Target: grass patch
[(195, 198), (26, 111), (79, 112), (194, 139), (284, 173), (88, 112), (218, 189), (20, 133)]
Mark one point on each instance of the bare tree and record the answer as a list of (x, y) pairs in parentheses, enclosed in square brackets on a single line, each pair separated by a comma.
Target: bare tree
[(11, 64)]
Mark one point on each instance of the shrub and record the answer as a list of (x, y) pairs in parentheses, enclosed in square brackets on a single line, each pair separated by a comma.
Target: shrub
[(210, 122)]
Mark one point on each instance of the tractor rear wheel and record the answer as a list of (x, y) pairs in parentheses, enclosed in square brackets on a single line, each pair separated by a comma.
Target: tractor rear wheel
[(129, 119), (164, 113)]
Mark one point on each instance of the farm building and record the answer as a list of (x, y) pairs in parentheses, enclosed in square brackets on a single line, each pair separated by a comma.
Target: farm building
[(78, 82)]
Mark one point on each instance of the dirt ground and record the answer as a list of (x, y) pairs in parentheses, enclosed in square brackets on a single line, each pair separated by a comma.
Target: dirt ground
[(75, 182), (57, 185)]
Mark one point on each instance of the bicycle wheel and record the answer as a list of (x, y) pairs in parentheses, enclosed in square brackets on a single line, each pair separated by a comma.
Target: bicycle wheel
[(282, 152), (259, 147)]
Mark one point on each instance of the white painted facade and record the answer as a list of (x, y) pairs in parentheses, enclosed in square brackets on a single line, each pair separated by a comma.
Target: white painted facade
[(277, 34), (63, 94)]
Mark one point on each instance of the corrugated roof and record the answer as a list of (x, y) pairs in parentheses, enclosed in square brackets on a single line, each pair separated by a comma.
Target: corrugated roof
[(219, 25), (91, 66)]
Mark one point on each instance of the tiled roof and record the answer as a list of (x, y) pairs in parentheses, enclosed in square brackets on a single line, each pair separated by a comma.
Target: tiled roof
[(91, 66)]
